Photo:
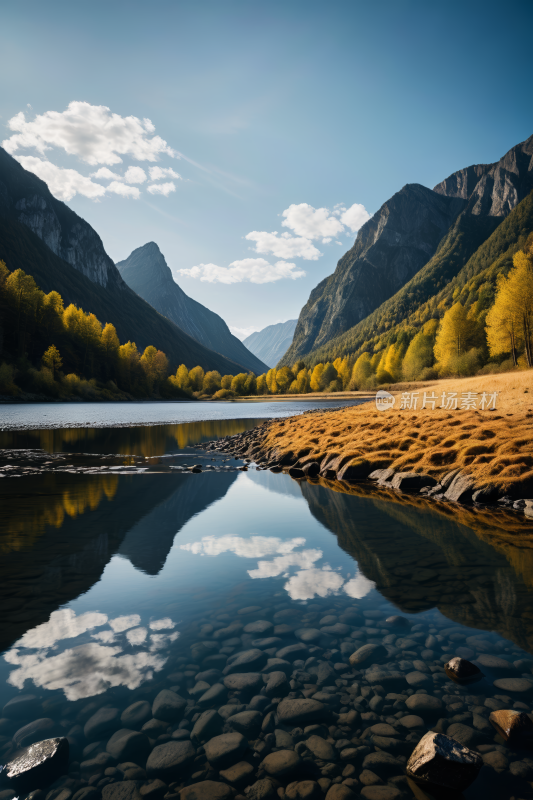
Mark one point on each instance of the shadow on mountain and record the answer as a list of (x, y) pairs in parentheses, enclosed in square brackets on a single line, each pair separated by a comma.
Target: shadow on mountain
[(59, 531), (475, 566)]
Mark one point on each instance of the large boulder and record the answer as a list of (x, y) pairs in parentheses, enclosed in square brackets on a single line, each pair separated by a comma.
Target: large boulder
[(167, 761), (440, 760), (411, 481), (513, 726)]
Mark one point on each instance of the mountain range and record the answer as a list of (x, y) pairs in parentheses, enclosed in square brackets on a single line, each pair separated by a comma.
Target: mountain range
[(413, 247), (49, 241), (271, 343), (148, 274)]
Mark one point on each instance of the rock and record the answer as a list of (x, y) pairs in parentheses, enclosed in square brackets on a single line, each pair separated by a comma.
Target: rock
[(262, 790), (247, 722), (389, 679), (440, 760), (487, 494), (293, 652), (356, 470), (225, 750), (381, 793), (496, 760), (396, 621), (154, 790), (127, 745), (277, 685), (424, 705), (34, 732), (93, 766), (462, 671), (496, 664), (37, 765), (206, 790), (167, 761), (340, 792), (261, 626), (121, 790), (87, 793), (448, 478), (383, 764), (368, 654), (338, 629), (281, 764), (208, 725), (284, 740), (300, 711), (244, 682), (246, 661), (311, 469), (102, 724), (210, 676), (460, 489), (411, 481), (418, 680), (463, 734), (168, 706), (303, 790), (296, 472), (239, 774), (321, 749), (134, 716), (308, 634), (521, 769), (215, 695), (514, 685), (24, 706), (411, 721), (513, 726), (381, 474)]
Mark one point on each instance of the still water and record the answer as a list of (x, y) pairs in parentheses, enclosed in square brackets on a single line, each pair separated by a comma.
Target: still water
[(115, 587)]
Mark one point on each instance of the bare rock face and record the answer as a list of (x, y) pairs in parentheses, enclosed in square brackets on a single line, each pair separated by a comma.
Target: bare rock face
[(513, 726), (440, 760), (37, 765)]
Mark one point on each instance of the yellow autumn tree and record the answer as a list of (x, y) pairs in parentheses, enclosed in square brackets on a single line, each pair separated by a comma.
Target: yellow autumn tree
[(362, 369), (52, 360), (316, 376), (454, 338), (510, 320)]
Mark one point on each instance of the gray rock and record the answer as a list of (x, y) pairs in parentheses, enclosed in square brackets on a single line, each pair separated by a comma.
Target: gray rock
[(37, 765), (277, 685), (424, 705), (102, 724), (215, 695), (244, 682), (239, 774), (225, 750), (461, 670), (308, 634), (418, 680), (260, 626), (411, 481), (208, 725), (368, 654), (168, 706), (281, 764), (247, 722), (389, 679), (167, 761), (514, 685), (461, 489), (246, 661), (440, 760), (34, 732), (206, 790), (127, 745), (300, 711), (210, 676), (134, 716), (23, 706), (397, 622), (463, 734), (121, 790), (261, 790), (293, 652), (383, 764), (284, 740)]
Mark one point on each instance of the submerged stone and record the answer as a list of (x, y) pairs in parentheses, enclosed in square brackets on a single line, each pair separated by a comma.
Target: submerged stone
[(440, 760), (513, 726), (300, 712), (37, 765), (462, 671)]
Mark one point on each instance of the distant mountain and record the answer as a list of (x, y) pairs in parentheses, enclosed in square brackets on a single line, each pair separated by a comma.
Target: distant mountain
[(414, 240), (45, 238), (272, 342), (148, 274)]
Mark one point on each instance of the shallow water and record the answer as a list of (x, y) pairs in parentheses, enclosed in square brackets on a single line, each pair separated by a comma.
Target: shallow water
[(115, 587), (69, 415)]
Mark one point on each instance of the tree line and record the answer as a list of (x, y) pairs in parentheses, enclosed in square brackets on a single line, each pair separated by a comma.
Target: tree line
[(65, 352)]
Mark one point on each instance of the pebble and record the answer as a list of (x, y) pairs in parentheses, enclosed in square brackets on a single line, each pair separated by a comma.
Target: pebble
[(300, 712), (168, 706), (225, 750), (281, 764), (206, 790), (514, 685), (168, 760)]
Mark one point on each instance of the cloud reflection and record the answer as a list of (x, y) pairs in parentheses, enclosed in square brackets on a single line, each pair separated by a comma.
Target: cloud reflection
[(254, 547), (309, 583)]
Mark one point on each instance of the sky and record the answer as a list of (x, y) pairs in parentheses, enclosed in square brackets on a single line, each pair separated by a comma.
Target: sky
[(251, 140)]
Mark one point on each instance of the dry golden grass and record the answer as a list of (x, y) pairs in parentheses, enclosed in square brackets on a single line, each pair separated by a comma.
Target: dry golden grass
[(491, 446)]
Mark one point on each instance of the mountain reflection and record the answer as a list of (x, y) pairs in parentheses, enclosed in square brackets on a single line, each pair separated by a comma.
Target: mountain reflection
[(150, 441), (475, 566)]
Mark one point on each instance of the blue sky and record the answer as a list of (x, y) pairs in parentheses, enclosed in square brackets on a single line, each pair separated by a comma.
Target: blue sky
[(259, 106)]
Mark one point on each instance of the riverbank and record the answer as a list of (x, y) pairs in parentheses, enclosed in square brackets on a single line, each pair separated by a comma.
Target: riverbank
[(471, 453)]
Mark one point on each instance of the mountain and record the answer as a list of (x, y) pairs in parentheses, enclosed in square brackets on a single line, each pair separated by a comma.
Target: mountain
[(410, 231), (45, 238), (148, 274), (272, 342)]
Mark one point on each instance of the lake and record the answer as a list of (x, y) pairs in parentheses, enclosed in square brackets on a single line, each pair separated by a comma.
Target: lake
[(182, 607)]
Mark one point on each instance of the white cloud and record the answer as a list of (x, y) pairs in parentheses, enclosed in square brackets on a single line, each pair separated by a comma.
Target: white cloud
[(107, 637), (135, 175), (162, 188), (242, 333), (162, 624), (358, 587), (105, 174), (312, 223), (254, 270), (354, 217), (124, 191), (136, 635), (308, 583), (279, 565), (83, 671), (92, 133), (284, 245), (158, 173), (63, 183), (254, 547), (120, 624), (63, 624)]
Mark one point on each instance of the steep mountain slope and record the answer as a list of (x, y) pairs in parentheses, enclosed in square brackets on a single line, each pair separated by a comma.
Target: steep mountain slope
[(364, 279), (46, 239), (390, 248), (272, 342), (440, 281), (148, 274)]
